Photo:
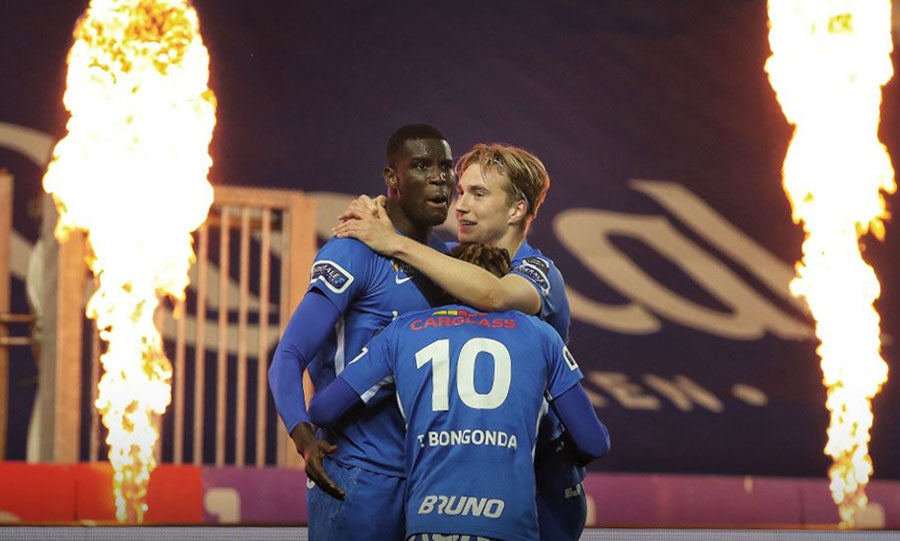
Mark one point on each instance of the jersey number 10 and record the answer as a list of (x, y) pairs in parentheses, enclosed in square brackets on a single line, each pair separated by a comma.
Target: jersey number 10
[(438, 353)]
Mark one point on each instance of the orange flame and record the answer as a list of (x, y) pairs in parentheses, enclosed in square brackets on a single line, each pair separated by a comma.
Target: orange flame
[(830, 59), (132, 173)]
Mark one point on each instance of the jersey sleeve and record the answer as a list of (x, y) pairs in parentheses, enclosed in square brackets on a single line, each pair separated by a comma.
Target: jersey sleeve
[(548, 281), (328, 405), (587, 432), (341, 271), (372, 368), (562, 370), (305, 333)]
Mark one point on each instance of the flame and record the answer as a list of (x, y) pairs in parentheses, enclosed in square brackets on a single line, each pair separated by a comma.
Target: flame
[(132, 173), (830, 59)]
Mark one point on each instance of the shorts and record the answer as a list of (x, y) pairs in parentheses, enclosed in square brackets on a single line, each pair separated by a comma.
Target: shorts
[(562, 513), (447, 537), (372, 508)]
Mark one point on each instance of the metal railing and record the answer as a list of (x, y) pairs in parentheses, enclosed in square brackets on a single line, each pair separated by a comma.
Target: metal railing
[(6, 204), (253, 257)]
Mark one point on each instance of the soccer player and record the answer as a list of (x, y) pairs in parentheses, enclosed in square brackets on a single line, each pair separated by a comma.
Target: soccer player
[(472, 387), (500, 190), (353, 293)]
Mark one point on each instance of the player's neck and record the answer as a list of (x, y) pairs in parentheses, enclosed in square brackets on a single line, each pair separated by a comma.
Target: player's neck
[(511, 240), (404, 225)]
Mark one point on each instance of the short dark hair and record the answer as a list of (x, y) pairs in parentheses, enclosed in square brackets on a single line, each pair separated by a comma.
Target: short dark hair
[(408, 132), (490, 258)]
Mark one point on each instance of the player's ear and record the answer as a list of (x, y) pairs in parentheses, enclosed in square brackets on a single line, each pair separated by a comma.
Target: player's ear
[(390, 177), (517, 212)]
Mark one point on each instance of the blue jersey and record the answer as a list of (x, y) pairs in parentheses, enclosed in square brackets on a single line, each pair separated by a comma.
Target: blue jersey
[(472, 387), (555, 472), (370, 290), (540, 270)]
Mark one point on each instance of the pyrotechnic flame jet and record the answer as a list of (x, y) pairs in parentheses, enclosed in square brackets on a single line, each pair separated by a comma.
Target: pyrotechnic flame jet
[(829, 60), (132, 173)]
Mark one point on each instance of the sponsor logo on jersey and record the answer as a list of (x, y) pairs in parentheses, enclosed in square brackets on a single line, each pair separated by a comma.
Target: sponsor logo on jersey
[(461, 505), (334, 276), (455, 318), (536, 269)]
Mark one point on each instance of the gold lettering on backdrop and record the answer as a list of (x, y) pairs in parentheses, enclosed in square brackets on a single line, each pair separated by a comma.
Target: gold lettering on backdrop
[(588, 233)]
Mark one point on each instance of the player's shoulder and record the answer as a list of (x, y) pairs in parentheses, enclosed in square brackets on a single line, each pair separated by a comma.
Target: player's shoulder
[(528, 255), (339, 246), (528, 321), (452, 311), (404, 319), (437, 243), (538, 268), (341, 263), (346, 254)]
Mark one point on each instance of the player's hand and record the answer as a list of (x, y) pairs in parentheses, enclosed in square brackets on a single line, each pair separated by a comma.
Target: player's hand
[(570, 451), (362, 206), (313, 449), (374, 229)]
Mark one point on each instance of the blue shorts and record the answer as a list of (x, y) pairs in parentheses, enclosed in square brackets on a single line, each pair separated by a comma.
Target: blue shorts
[(372, 508), (446, 537), (562, 513)]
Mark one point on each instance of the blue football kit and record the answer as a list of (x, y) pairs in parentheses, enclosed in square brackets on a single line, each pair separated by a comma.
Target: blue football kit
[(473, 388), (562, 506), (540, 270), (368, 291)]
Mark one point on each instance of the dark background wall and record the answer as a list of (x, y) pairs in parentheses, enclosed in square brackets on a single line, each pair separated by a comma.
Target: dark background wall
[(605, 92)]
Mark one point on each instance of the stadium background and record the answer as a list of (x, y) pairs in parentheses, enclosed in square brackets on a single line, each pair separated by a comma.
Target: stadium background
[(629, 104)]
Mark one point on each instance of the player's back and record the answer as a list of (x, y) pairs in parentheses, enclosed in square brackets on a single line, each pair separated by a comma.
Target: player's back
[(472, 387)]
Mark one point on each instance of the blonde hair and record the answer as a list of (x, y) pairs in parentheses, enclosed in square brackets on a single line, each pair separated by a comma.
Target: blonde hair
[(527, 175)]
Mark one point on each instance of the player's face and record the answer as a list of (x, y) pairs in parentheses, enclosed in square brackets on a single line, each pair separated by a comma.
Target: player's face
[(425, 181), (483, 208)]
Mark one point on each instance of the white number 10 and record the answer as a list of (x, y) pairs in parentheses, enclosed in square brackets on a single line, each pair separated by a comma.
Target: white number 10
[(438, 354)]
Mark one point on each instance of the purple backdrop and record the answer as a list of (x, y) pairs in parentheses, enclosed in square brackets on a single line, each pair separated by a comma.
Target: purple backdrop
[(666, 215)]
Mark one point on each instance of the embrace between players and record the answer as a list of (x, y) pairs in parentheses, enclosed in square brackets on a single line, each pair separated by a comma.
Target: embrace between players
[(447, 401)]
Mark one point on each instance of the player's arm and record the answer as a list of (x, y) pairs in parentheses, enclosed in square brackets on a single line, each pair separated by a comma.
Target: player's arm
[(469, 283), (305, 333), (357, 384), (587, 432), (330, 404)]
